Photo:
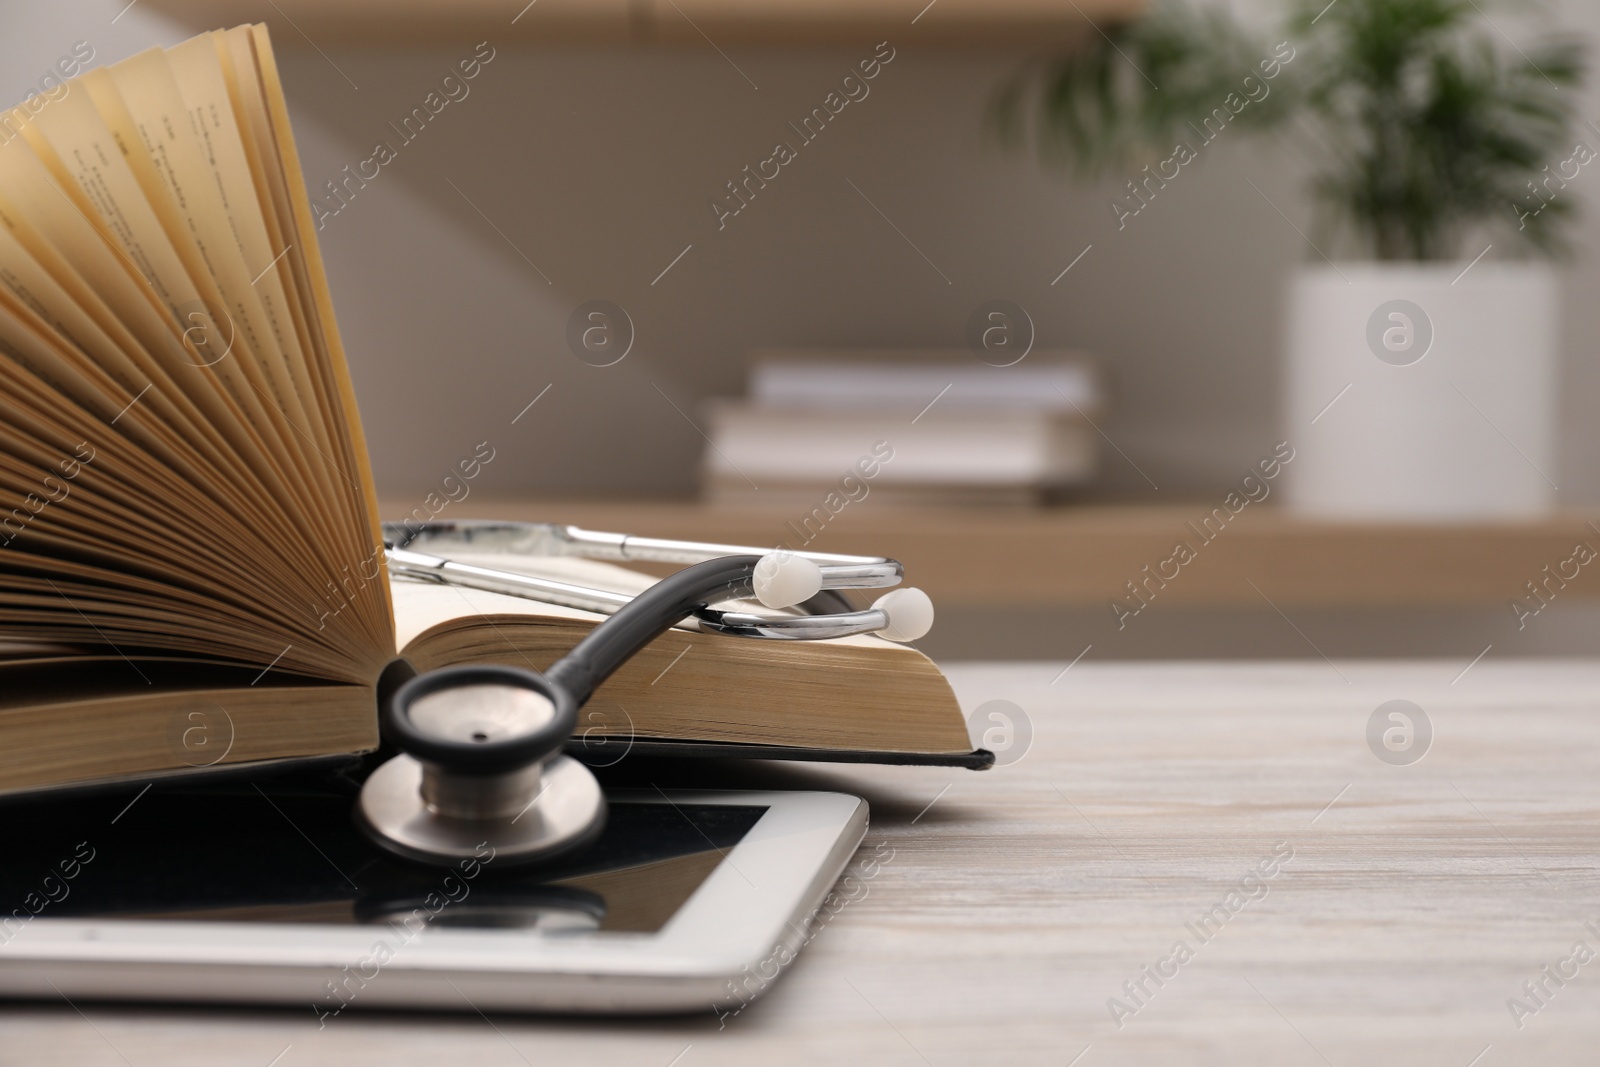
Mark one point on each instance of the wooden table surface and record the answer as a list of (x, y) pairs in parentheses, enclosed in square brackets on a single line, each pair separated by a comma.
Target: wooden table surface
[(1083, 555), (1408, 905)]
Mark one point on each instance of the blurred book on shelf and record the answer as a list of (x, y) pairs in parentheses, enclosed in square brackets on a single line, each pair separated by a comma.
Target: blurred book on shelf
[(922, 426)]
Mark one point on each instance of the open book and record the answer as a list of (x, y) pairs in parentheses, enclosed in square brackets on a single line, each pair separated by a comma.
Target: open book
[(191, 570)]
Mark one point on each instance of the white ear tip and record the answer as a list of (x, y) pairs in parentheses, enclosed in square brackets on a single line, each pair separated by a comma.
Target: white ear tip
[(783, 579), (910, 614)]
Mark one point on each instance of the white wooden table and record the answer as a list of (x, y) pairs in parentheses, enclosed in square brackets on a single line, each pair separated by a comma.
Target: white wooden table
[(1417, 901)]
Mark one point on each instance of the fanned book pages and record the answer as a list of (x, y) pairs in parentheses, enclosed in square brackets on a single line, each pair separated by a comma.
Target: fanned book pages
[(191, 569)]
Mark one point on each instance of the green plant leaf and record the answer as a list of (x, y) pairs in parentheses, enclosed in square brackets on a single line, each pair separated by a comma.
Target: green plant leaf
[(1430, 126)]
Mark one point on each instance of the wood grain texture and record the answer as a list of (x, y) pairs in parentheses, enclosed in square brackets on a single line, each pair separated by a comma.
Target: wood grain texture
[(1417, 901), (1084, 555)]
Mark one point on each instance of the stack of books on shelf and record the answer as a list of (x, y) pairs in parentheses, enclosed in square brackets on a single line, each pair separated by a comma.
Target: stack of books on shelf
[(915, 426)]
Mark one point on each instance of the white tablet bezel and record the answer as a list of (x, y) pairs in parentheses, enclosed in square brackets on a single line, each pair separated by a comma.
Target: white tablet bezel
[(746, 919)]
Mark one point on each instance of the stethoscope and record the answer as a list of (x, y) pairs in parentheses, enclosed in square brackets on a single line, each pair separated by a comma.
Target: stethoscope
[(481, 765)]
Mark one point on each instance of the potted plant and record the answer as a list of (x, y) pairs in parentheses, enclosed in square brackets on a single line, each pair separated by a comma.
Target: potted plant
[(1422, 333)]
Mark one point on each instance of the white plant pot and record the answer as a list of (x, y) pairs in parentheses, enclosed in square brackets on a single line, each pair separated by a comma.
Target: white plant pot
[(1417, 393)]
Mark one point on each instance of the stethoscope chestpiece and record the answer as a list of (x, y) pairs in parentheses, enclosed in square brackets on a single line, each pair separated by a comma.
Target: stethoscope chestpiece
[(481, 768)]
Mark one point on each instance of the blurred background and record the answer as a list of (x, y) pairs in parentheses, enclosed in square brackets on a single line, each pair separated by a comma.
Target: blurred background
[(581, 174)]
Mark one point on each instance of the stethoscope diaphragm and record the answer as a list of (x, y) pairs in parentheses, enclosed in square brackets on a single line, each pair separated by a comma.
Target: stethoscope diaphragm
[(481, 771)]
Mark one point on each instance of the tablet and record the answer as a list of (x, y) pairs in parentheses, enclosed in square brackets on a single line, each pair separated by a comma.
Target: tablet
[(689, 901)]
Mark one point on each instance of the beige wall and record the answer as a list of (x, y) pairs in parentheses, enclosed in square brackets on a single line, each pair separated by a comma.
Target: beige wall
[(598, 165)]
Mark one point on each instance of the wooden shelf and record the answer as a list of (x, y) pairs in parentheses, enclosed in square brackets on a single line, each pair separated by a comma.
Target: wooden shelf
[(1084, 555), (689, 22)]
